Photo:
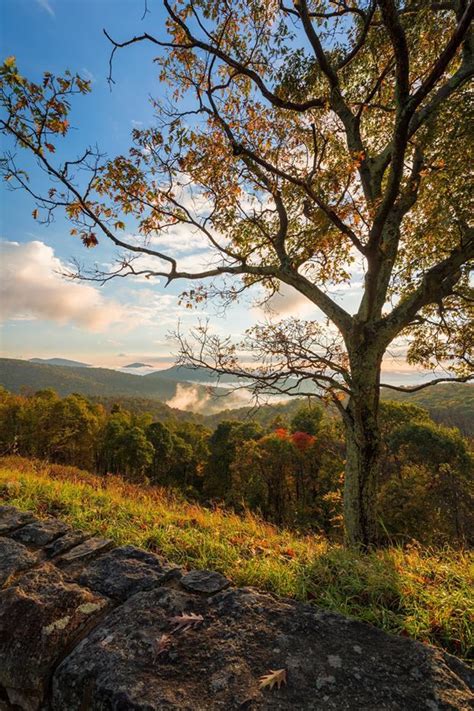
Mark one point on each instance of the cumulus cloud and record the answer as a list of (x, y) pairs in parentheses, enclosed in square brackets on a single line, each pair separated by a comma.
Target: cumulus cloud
[(33, 288)]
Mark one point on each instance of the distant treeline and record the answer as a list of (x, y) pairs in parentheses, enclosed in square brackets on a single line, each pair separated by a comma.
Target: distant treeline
[(290, 469)]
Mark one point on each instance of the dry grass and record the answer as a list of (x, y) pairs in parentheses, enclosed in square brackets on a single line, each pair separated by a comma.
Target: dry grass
[(421, 593)]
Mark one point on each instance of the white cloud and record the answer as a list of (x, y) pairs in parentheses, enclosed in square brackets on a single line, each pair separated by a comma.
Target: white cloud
[(289, 302), (198, 399), (180, 239), (33, 288), (47, 7), (188, 397)]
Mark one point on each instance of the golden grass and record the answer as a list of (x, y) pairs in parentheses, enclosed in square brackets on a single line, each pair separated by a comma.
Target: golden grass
[(418, 592)]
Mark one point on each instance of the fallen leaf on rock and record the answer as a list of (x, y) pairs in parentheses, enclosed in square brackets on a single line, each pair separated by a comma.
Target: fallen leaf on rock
[(185, 622), (273, 678), (162, 645)]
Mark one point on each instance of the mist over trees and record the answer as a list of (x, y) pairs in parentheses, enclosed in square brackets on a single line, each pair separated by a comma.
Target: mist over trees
[(303, 142)]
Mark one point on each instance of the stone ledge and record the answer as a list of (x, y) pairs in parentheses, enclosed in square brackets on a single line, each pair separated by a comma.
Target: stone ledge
[(12, 518), (86, 626)]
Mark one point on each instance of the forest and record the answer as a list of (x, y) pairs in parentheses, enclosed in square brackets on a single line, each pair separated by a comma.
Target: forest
[(289, 470)]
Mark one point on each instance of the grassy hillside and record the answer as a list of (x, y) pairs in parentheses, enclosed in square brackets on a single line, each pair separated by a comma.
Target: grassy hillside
[(422, 593)]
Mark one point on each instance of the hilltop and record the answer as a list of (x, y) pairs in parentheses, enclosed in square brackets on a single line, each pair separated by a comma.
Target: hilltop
[(60, 361), (138, 365)]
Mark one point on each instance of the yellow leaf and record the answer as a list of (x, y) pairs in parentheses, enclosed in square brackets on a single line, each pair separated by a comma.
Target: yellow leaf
[(273, 678), (10, 62)]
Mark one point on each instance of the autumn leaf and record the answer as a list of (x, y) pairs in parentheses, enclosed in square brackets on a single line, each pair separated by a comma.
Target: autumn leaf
[(89, 240), (162, 645), (185, 622), (35, 214), (50, 147), (273, 678)]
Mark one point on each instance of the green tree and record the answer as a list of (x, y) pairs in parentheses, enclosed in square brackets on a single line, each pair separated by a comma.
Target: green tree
[(38, 426), (163, 448), (307, 419), (263, 478), (78, 424), (190, 453), (428, 479), (306, 144), (137, 453), (224, 446), (10, 422), (125, 448)]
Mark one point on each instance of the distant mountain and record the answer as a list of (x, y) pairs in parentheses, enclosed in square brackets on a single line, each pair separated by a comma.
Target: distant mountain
[(22, 375), (193, 375), (60, 361), (138, 365)]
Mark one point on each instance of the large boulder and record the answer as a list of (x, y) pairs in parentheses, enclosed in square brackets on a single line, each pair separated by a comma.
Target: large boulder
[(140, 658), (41, 617)]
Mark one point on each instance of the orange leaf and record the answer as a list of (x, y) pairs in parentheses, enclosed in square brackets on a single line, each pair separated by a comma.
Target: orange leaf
[(273, 678)]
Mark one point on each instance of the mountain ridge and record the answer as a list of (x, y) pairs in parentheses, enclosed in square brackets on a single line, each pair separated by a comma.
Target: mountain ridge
[(60, 361), (17, 375)]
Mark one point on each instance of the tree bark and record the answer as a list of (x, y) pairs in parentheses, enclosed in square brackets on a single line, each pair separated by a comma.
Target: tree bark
[(363, 455)]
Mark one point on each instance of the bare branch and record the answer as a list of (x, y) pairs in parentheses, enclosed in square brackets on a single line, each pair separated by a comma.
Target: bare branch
[(422, 386)]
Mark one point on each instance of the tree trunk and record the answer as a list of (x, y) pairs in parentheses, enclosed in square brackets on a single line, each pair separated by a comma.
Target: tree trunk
[(363, 456)]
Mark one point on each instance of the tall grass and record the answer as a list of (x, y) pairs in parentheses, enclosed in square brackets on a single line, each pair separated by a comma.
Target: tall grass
[(413, 591)]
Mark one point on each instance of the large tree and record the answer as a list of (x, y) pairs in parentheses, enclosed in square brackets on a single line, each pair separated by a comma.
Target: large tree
[(307, 142)]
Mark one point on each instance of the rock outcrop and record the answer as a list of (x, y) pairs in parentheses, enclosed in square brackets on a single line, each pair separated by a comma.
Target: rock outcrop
[(85, 626)]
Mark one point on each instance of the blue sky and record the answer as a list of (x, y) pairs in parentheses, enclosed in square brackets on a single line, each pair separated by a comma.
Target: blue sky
[(43, 314)]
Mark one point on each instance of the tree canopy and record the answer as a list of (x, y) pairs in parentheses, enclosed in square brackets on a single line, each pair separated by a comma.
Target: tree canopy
[(305, 143)]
